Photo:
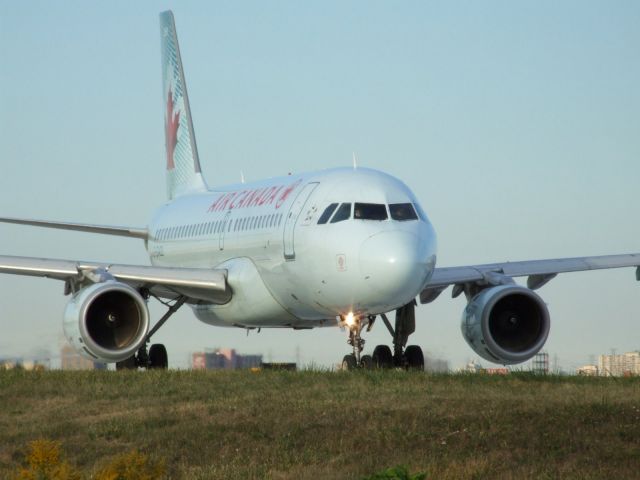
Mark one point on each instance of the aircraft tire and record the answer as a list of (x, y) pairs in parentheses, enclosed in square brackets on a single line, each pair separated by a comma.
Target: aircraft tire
[(382, 357), (158, 358), (366, 362), (349, 362), (415, 358)]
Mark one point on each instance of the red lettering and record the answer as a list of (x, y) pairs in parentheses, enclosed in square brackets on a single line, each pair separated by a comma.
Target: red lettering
[(232, 206), (214, 205), (273, 194), (247, 201), (287, 192), (263, 197), (225, 202), (241, 201), (257, 197)]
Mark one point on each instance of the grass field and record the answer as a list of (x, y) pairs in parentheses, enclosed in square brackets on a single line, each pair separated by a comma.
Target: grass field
[(313, 425)]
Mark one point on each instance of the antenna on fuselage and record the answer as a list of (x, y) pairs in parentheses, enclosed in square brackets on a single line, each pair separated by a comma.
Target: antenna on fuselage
[(355, 161), (241, 177)]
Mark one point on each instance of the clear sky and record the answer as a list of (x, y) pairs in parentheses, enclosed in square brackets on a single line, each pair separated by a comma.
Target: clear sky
[(516, 124)]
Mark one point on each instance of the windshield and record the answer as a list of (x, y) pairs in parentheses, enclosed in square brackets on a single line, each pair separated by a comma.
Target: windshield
[(324, 218), (343, 213), (370, 211), (402, 211)]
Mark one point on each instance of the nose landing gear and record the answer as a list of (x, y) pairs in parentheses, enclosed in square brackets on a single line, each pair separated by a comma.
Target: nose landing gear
[(403, 356), (356, 325)]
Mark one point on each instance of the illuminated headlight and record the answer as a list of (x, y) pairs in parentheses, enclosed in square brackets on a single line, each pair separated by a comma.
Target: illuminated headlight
[(349, 319)]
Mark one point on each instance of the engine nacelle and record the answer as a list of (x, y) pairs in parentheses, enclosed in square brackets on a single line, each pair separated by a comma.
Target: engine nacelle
[(106, 322), (506, 324)]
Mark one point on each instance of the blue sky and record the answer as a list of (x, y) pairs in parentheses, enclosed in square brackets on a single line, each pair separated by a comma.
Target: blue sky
[(515, 123)]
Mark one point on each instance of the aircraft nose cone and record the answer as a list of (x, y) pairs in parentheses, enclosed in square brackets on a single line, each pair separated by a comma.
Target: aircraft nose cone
[(394, 265)]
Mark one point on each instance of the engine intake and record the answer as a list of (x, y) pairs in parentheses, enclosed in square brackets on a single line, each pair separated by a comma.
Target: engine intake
[(107, 321), (507, 324)]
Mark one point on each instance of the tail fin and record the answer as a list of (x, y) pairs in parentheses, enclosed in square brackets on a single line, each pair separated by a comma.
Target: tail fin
[(183, 164)]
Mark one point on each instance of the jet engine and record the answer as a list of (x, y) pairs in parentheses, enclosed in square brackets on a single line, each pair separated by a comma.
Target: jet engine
[(106, 321), (506, 324)]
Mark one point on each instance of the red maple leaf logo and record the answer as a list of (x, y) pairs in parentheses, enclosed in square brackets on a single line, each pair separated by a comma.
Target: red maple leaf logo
[(171, 123)]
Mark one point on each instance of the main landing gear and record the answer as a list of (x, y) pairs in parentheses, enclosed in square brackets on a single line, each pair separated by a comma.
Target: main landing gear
[(156, 357), (403, 356)]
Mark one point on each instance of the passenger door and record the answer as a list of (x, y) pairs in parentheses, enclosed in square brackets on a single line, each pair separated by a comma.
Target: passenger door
[(292, 217)]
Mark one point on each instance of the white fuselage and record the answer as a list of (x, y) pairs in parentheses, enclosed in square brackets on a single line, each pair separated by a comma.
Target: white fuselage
[(287, 270)]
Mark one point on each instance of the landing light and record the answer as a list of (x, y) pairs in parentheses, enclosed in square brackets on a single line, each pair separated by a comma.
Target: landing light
[(349, 319)]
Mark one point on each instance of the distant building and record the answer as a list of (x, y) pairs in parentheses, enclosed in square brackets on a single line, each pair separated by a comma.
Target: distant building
[(435, 365), (497, 371), (72, 360), (625, 364), (8, 364), (224, 359), (471, 367), (540, 363), (29, 365), (588, 371)]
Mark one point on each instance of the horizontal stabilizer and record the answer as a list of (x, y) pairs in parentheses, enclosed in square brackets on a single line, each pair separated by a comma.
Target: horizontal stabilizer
[(82, 227)]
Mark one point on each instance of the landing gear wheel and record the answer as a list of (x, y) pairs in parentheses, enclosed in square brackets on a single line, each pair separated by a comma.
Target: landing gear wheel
[(415, 358), (158, 358), (366, 362), (382, 357), (349, 362), (127, 364)]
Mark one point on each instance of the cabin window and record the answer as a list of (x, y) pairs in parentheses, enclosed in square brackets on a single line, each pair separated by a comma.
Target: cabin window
[(369, 211), (324, 218), (343, 213), (402, 212)]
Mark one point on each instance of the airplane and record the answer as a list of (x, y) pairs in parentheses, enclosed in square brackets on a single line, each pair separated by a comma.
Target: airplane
[(340, 247)]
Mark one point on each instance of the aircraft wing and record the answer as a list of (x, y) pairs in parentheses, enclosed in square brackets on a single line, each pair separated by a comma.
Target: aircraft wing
[(135, 232), (197, 284), (539, 272)]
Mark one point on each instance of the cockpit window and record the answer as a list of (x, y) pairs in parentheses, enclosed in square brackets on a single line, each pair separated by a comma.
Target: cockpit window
[(324, 218), (370, 211), (343, 213), (402, 211), (421, 214)]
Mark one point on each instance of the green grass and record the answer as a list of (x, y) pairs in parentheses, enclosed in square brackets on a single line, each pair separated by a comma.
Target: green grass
[(308, 425)]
